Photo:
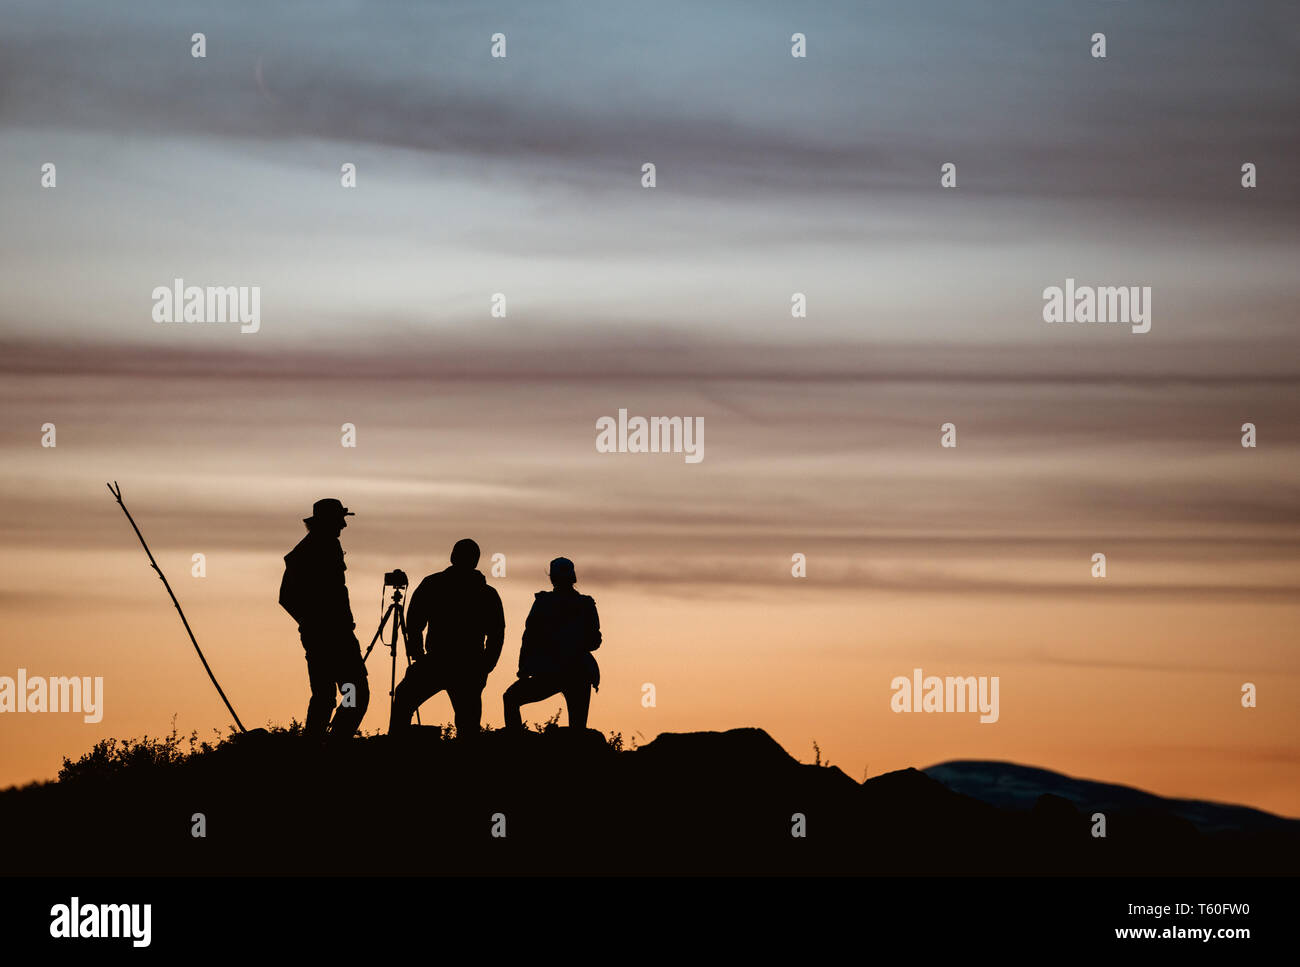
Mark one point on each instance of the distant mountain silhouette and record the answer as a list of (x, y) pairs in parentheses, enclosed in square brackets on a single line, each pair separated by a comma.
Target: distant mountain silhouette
[(575, 802), (1012, 786)]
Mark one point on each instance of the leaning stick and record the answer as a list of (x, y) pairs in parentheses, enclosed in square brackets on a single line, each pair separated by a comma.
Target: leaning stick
[(116, 491)]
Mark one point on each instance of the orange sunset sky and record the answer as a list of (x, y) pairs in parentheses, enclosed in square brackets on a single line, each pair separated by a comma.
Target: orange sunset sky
[(973, 561)]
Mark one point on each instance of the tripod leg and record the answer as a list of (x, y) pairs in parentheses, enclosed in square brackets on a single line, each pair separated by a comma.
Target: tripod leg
[(400, 623), (379, 633), (396, 608), (392, 687)]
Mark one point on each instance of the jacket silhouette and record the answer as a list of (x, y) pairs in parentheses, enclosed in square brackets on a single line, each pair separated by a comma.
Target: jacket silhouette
[(314, 592), (313, 589), (455, 629), (555, 655)]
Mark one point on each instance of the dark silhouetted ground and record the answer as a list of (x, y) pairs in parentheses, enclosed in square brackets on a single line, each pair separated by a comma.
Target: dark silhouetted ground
[(702, 802)]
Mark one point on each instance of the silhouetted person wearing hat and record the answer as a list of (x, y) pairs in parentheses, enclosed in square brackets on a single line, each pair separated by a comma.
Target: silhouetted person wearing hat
[(314, 592), (560, 635), (466, 629)]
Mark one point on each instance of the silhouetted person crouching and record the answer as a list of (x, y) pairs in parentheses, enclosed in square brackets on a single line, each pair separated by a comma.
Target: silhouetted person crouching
[(315, 593), (467, 628), (560, 635)]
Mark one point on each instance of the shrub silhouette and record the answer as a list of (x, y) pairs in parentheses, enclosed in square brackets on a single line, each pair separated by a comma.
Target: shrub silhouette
[(147, 754)]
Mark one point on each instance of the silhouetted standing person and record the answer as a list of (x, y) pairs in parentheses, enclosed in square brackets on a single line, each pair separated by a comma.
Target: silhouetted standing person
[(315, 593), (467, 627), (560, 635)]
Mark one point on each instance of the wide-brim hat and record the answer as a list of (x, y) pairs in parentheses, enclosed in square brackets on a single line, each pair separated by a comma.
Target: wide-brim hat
[(328, 508)]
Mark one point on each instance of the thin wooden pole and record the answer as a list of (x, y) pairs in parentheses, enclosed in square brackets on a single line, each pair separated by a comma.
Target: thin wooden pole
[(116, 491)]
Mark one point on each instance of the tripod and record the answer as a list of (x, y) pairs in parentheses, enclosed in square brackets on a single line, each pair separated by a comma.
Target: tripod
[(399, 625)]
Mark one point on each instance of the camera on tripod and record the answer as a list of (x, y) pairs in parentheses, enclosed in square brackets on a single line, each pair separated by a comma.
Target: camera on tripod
[(397, 580)]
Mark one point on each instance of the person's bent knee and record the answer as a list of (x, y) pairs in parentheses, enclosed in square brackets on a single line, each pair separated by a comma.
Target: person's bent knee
[(514, 693)]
